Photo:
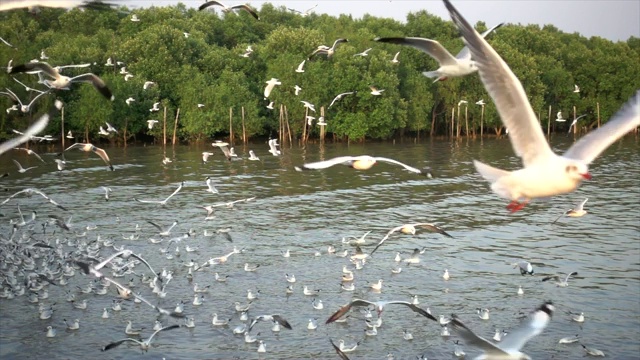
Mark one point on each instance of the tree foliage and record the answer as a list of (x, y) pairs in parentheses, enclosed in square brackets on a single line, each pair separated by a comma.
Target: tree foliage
[(196, 58)]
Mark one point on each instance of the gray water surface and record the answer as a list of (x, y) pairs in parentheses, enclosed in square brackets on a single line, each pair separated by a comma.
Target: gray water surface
[(306, 212)]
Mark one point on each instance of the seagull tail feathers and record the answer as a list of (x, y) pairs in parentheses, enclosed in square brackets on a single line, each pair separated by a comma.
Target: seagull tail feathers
[(490, 173)]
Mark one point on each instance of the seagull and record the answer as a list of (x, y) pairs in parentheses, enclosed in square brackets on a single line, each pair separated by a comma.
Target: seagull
[(226, 9), (395, 58), (129, 101), (111, 128), (148, 84), (24, 108), (300, 69), (559, 117), (544, 174), (576, 88), (325, 50), (558, 279), (127, 77), (30, 192), (362, 162), (61, 81), (305, 13), (480, 102), (450, 66), (107, 191), (578, 318), (270, 106), (375, 91), (86, 147), (577, 211), (150, 123), (224, 147), (252, 156), (340, 96), (275, 318), (525, 267), (163, 202), (483, 313), (309, 105), (273, 147), (30, 152), (575, 122), (313, 324), (364, 53), (205, 156), (135, 18), (569, 339), (210, 187), (129, 330), (164, 231), (379, 305), (592, 351), (270, 85), (297, 89), (510, 346), (411, 229), (155, 107), (144, 345), (103, 131)]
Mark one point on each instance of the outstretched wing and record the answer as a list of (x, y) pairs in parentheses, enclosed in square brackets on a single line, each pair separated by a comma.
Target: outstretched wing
[(410, 168), (327, 163), (386, 237)]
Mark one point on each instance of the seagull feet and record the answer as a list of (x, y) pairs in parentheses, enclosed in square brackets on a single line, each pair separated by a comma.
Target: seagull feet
[(514, 205)]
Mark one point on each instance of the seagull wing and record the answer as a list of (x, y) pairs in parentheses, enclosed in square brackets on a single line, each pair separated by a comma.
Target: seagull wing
[(34, 129), (211, 3), (433, 228), (103, 155), (117, 343), (345, 309), (162, 329), (580, 205), (328, 163), (465, 53), (39, 66), (17, 164), (507, 92), (566, 279), (415, 309), (97, 83), (595, 142), (175, 192), (48, 199), (529, 328), (342, 355), (248, 9), (412, 169), (386, 237), (282, 321), (471, 338), (431, 47)]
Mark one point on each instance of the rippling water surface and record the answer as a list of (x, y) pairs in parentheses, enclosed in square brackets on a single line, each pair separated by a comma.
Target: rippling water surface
[(307, 212)]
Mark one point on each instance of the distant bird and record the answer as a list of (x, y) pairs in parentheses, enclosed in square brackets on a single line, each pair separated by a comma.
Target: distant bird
[(577, 211), (395, 58), (545, 174), (127, 77), (275, 318), (224, 147), (524, 266), (340, 96), (575, 122), (252, 156), (155, 107), (309, 105), (362, 162), (558, 279), (148, 84), (135, 18), (205, 156), (480, 102), (24, 108), (450, 66), (325, 50), (30, 152), (559, 117), (592, 351), (411, 229), (162, 202), (297, 89), (209, 182), (300, 69), (227, 9), (150, 123), (270, 106), (273, 147), (576, 88), (509, 347), (69, 135), (86, 147), (61, 81), (305, 13), (200, 106), (107, 192), (364, 53), (129, 101), (270, 85), (375, 91), (102, 131), (186, 35), (22, 170), (379, 306)]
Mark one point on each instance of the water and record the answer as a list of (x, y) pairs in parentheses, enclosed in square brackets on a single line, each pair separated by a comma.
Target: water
[(307, 212)]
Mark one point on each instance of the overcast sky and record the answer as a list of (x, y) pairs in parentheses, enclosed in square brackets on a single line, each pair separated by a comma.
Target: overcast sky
[(611, 19)]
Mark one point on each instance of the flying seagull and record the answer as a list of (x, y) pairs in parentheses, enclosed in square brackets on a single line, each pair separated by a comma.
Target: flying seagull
[(86, 147), (379, 305), (61, 81), (577, 211), (340, 96), (24, 108), (509, 347), (270, 85), (325, 50), (544, 174), (226, 9), (362, 162), (30, 192), (22, 170), (162, 202), (411, 229), (449, 66), (275, 317), (144, 345), (30, 152)]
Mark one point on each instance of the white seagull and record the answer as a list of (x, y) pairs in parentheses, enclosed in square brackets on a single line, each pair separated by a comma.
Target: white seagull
[(297, 90), (270, 85), (395, 58), (300, 67), (150, 123), (340, 96), (411, 229), (325, 50), (227, 9), (509, 347), (544, 174), (450, 66), (309, 105), (379, 306), (362, 162), (364, 53), (375, 91), (144, 345), (577, 211), (61, 81), (162, 202)]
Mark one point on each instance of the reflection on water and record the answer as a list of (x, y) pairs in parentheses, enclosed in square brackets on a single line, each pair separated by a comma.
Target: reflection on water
[(307, 212)]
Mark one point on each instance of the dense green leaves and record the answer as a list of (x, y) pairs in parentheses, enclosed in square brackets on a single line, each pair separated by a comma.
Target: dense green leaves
[(196, 58)]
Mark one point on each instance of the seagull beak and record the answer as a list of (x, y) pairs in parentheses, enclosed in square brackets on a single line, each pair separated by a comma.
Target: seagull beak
[(586, 176)]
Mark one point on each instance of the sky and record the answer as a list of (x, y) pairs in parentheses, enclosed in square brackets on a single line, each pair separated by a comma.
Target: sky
[(611, 19)]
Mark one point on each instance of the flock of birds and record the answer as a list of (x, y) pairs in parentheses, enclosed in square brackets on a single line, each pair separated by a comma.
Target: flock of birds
[(31, 261)]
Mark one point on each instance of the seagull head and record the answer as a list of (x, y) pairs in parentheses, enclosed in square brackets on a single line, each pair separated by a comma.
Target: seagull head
[(577, 171)]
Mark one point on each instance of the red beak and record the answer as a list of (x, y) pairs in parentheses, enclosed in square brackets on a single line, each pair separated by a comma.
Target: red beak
[(586, 176)]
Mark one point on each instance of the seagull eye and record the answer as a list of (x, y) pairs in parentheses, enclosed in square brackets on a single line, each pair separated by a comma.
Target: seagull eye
[(571, 168)]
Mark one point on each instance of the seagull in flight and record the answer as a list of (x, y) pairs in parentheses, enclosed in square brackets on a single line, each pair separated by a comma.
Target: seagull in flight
[(30, 152), (30, 192), (144, 345), (575, 122), (364, 53), (325, 50), (224, 147), (61, 81), (340, 96), (227, 9), (163, 202), (450, 66), (544, 174), (300, 67), (275, 318), (509, 347), (577, 211), (375, 91), (270, 85), (305, 13), (164, 231), (395, 58), (411, 229), (24, 108), (210, 187), (379, 306), (86, 147), (558, 279), (362, 162)]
